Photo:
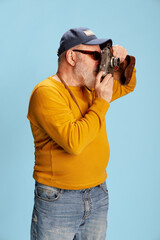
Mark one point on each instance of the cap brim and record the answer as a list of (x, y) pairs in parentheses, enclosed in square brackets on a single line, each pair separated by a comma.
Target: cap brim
[(101, 42)]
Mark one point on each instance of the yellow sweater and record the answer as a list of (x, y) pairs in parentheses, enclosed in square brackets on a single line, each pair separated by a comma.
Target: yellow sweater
[(71, 152)]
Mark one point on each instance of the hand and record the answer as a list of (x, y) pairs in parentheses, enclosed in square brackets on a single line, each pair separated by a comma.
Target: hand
[(119, 52), (104, 88)]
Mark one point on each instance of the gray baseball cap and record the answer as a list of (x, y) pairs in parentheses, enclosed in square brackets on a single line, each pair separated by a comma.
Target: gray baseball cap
[(76, 36)]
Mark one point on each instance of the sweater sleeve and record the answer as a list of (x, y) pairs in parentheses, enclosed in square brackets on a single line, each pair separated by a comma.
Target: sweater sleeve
[(120, 90), (49, 111)]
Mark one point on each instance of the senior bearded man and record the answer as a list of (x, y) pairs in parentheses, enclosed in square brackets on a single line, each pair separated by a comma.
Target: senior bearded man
[(67, 116)]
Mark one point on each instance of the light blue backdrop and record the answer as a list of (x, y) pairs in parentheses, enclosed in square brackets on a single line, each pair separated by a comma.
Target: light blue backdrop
[(29, 37)]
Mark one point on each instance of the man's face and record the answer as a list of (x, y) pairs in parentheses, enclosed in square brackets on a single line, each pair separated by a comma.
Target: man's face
[(86, 67)]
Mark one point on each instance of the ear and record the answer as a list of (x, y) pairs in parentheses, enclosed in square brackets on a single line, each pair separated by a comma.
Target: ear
[(71, 57)]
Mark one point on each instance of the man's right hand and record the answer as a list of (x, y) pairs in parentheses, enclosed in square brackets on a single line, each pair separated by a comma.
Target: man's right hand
[(104, 88)]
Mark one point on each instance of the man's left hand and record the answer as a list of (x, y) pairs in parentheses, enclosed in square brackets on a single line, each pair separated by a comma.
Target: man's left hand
[(119, 52)]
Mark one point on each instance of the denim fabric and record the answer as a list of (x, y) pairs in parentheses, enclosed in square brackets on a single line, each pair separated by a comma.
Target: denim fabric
[(60, 214)]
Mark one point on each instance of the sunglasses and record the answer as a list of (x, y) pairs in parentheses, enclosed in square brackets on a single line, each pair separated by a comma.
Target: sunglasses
[(94, 54)]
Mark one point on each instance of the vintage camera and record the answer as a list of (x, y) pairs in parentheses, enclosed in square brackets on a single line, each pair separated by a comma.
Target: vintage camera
[(108, 62)]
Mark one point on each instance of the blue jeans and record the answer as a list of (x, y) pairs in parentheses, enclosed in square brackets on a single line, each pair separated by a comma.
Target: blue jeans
[(60, 214)]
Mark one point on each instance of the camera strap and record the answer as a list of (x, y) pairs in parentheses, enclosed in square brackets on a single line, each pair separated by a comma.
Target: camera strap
[(70, 92)]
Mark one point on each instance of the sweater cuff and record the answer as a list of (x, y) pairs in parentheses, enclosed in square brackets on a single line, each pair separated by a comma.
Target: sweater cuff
[(100, 107)]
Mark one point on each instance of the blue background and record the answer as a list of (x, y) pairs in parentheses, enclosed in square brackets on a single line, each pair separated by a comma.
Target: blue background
[(29, 38)]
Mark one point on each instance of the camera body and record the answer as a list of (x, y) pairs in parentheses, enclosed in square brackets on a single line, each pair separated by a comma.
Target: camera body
[(108, 62)]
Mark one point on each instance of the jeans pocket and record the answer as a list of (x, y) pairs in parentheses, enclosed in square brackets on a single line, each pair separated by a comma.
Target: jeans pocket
[(48, 194), (104, 187)]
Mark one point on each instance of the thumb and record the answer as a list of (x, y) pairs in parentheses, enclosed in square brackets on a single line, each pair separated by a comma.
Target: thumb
[(98, 78)]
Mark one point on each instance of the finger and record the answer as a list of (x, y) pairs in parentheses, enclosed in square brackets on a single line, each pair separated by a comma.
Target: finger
[(99, 77), (109, 81), (106, 78), (122, 59), (115, 49)]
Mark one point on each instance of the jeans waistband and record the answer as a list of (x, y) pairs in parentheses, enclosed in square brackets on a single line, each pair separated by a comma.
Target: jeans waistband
[(86, 189)]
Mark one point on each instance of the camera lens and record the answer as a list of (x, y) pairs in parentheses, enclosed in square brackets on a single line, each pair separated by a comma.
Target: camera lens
[(115, 62)]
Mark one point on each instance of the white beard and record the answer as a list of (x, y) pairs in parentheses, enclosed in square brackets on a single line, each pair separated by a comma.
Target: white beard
[(87, 78)]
